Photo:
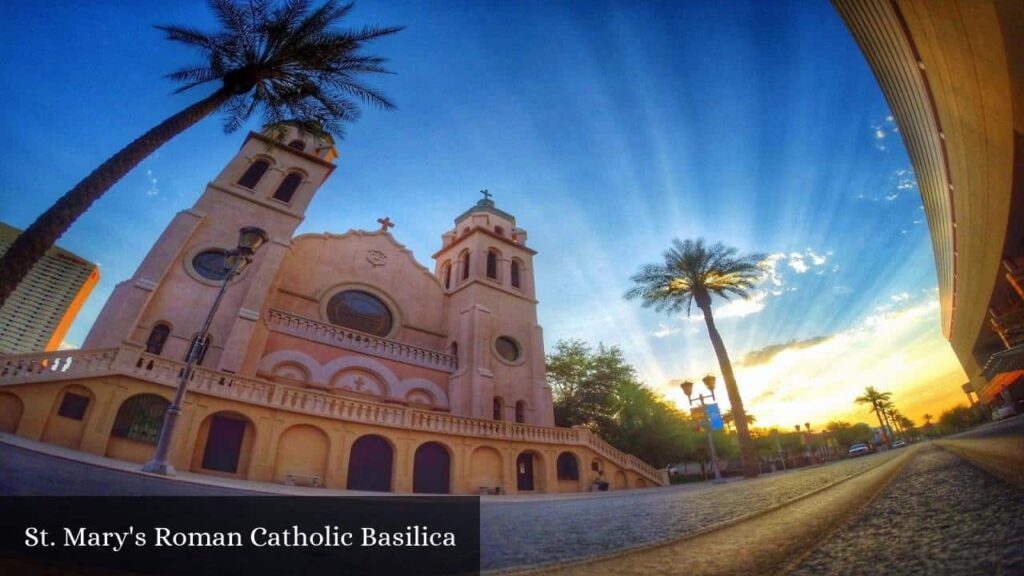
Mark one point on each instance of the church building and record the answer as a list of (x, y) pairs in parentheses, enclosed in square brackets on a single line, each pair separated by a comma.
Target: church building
[(333, 360)]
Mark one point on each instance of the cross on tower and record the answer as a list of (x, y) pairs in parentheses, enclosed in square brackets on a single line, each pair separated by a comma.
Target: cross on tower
[(487, 195), (385, 223)]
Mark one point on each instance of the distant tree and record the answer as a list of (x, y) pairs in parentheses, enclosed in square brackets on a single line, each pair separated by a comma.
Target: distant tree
[(960, 418), (907, 425), (288, 61), (691, 273), (875, 400), (584, 382)]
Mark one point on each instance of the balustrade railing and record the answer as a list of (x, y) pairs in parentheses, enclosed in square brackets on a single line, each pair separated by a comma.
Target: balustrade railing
[(360, 342), (23, 368), (59, 364)]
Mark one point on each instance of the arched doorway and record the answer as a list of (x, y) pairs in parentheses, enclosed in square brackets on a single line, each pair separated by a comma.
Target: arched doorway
[(485, 469), (641, 483), (431, 469), (301, 456), (568, 469), (11, 408), (227, 439), (369, 464), (136, 428), (620, 480), (527, 472)]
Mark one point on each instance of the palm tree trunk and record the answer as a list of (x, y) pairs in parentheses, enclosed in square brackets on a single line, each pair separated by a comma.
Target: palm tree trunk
[(881, 424), (739, 417), (33, 243)]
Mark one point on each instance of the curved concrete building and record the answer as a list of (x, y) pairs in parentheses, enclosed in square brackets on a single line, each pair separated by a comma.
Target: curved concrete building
[(953, 74)]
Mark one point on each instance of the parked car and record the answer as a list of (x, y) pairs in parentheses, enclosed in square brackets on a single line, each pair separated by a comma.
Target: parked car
[(899, 443), (1004, 411), (859, 449)]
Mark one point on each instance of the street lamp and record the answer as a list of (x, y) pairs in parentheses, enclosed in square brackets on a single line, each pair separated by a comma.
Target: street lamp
[(687, 387), (250, 239), (778, 446)]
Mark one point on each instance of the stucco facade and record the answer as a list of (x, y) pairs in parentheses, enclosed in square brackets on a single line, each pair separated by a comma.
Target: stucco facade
[(334, 360)]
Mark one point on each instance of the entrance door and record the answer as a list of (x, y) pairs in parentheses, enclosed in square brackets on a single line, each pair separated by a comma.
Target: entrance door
[(224, 444), (524, 471), (431, 469), (369, 464)]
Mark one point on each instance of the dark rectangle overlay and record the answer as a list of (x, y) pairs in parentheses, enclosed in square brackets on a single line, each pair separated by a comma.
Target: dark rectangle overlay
[(240, 535)]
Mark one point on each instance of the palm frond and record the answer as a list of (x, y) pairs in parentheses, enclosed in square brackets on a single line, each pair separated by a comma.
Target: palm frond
[(286, 60)]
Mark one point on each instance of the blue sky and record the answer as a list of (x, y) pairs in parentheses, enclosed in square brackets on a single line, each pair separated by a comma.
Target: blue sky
[(606, 129)]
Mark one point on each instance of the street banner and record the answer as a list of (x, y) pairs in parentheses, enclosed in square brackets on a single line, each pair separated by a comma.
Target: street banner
[(715, 416)]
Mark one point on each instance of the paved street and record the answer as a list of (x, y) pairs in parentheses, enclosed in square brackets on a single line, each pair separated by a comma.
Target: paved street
[(927, 511), (529, 533), (27, 473)]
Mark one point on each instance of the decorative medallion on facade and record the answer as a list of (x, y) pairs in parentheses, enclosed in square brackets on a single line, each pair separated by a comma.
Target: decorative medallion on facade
[(376, 258)]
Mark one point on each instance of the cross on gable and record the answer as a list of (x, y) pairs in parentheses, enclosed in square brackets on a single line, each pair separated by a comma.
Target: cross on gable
[(385, 223), (487, 195)]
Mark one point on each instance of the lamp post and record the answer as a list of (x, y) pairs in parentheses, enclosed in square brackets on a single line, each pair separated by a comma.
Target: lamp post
[(778, 446), (250, 239), (687, 387), (810, 458)]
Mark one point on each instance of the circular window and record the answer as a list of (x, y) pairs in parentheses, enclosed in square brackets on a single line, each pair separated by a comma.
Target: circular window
[(507, 348), (361, 311), (297, 144), (211, 264)]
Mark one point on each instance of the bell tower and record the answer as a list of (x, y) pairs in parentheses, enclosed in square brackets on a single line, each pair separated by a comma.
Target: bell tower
[(486, 270), (269, 183)]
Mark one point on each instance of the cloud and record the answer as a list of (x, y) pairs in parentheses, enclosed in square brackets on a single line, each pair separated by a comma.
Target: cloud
[(664, 331), (740, 308), (771, 283), (900, 350), (153, 190), (764, 355), (882, 130)]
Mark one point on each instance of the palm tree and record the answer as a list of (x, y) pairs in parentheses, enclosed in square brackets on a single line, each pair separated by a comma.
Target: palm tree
[(928, 423), (889, 412), (692, 273), (288, 62), (727, 417), (875, 398)]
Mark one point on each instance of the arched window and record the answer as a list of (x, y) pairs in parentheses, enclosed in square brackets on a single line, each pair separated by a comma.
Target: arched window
[(203, 347), (521, 411), (288, 187), (454, 349), (297, 144), (465, 265), (360, 311), (252, 176), (499, 230), (447, 275), (492, 264), (568, 467), (499, 407), (157, 338), (140, 418), (515, 274)]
